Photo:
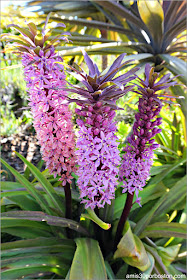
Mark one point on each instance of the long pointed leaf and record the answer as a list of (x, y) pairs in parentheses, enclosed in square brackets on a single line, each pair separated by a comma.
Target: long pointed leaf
[(165, 230), (29, 187), (88, 262), (148, 217), (42, 217), (56, 200)]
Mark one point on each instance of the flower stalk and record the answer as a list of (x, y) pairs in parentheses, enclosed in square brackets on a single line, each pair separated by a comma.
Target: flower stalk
[(139, 152), (123, 219)]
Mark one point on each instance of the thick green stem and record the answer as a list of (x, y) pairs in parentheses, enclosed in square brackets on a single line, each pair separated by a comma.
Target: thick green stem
[(123, 218)]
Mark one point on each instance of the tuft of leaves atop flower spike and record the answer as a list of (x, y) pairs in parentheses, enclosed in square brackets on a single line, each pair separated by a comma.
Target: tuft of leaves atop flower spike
[(151, 85), (102, 87), (33, 39)]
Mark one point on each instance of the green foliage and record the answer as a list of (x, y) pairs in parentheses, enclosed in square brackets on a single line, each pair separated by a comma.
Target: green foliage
[(31, 212), (9, 123), (88, 262), (131, 249), (142, 27)]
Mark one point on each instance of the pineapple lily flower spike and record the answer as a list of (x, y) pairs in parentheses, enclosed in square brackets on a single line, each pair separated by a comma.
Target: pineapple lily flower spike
[(138, 157), (52, 118), (97, 147)]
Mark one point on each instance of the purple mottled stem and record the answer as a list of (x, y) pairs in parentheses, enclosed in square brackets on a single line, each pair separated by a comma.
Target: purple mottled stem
[(68, 199), (123, 218)]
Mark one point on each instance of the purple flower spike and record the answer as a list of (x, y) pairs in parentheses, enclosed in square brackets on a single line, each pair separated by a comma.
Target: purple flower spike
[(138, 157), (44, 72), (97, 147)]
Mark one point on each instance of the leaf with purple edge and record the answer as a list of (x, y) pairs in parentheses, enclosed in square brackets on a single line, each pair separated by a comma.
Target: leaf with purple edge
[(32, 28), (23, 31), (90, 64)]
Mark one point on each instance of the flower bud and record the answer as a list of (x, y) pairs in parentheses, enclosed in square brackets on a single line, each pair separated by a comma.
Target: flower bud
[(139, 122), (155, 146), (155, 130), (137, 116), (105, 122), (141, 131), (89, 121), (83, 113), (77, 111), (148, 125), (96, 131), (106, 109), (90, 109), (159, 121), (143, 142), (99, 118), (89, 114), (98, 104), (149, 134)]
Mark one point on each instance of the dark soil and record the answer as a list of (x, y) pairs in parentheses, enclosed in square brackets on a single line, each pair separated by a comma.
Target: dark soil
[(25, 144)]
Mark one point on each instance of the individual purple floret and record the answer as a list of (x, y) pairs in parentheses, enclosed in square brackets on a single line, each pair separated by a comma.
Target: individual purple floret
[(97, 146), (138, 157)]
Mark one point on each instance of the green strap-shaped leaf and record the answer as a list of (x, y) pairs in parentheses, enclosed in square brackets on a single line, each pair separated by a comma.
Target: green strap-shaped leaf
[(54, 197), (147, 273), (152, 15), (8, 247), (159, 266), (23, 266), (162, 202), (175, 195), (173, 270), (42, 217), (30, 188), (132, 250), (8, 185), (176, 65), (24, 228), (109, 271), (25, 202), (168, 254), (39, 246), (114, 47), (88, 262), (165, 230), (118, 9)]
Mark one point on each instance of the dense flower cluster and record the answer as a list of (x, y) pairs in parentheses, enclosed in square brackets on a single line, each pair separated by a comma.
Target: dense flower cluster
[(44, 73), (97, 145), (52, 118), (138, 157), (98, 156)]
